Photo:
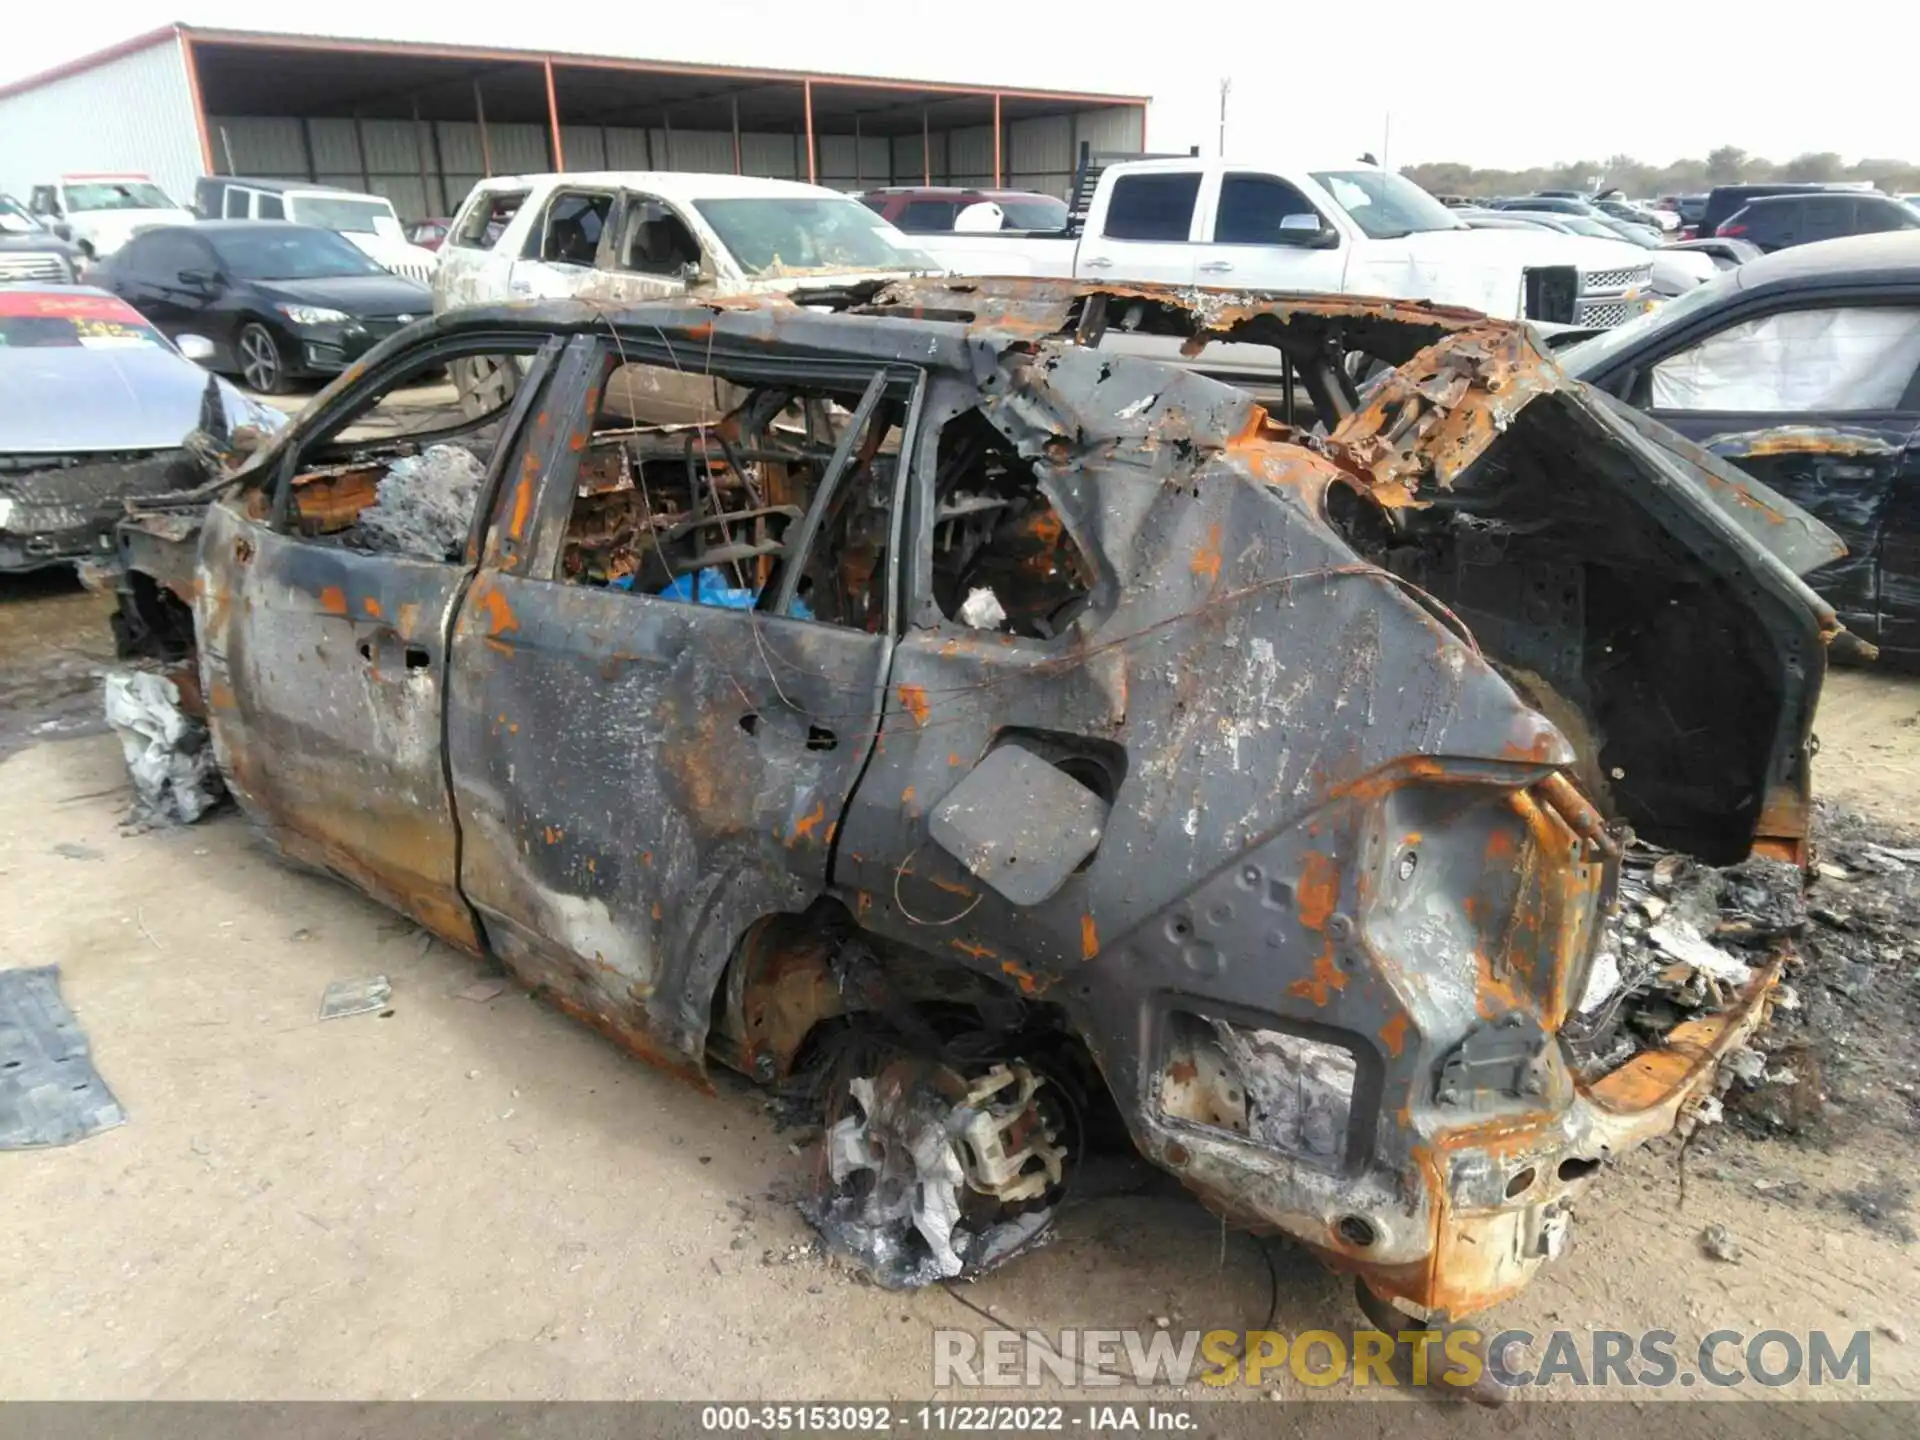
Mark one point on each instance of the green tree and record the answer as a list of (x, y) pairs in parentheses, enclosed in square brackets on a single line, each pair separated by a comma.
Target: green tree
[(1822, 167), (1726, 165)]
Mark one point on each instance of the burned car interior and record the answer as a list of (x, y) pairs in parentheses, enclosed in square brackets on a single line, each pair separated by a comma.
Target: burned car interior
[(1042, 740)]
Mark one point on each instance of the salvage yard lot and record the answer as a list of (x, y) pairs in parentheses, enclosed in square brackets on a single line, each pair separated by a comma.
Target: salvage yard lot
[(480, 1198)]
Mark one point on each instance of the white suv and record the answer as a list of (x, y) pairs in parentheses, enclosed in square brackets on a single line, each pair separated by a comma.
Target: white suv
[(653, 235)]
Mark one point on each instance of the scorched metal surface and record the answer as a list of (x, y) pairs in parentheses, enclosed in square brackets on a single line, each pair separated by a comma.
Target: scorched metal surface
[(1363, 704)]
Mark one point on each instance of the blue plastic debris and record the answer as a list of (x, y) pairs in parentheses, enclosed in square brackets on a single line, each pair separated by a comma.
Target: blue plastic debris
[(711, 587)]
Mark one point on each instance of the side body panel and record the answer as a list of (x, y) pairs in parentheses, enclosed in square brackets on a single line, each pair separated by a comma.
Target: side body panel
[(325, 672), (638, 780)]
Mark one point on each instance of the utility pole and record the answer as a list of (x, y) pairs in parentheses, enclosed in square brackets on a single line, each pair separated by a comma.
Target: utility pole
[(1386, 141), (1226, 85)]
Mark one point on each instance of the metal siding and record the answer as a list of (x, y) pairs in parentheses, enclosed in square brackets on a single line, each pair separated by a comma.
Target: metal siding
[(970, 156), (390, 148), (519, 149), (706, 151), (1112, 127), (134, 113), (769, 156), (1040, 154), (910, 160), (627, 149), (336, 148), (267, 148), (585, 147), (460, 150)]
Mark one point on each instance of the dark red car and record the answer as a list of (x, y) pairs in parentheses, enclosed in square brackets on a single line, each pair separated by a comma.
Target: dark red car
[(930, 209), (429, 234)]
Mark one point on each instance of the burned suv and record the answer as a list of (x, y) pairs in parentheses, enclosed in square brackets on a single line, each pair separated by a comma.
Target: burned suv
[(1006, 728)]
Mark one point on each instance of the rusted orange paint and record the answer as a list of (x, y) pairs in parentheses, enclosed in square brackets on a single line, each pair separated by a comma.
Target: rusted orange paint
[(1393, 1035), (498, 613), (554, 834), (371, 606), (1023, 978), (1318, 987), (978, 952), (1318, 891), (1206, 560), (914, 698), (804, 828), (906, 796), (1089, 938), (333, 600), (522, 504), (952, 758)]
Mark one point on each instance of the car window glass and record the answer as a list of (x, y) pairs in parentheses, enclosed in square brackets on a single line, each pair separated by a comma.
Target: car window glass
[(927, 217), (162, 257), (288, 252), (693, 487), (236, 204), (1796, 362), (269, 207), (1153, 207), (401, 473), (570, 230), (1252, 207), (488, 218), (1877, 215), (657, 241)]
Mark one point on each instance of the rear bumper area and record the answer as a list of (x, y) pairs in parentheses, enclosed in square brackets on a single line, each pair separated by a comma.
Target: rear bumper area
[(1407, 1108)]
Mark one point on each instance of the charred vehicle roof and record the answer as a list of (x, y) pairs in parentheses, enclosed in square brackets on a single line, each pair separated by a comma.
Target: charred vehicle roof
[(96, 406), (1001, 726)]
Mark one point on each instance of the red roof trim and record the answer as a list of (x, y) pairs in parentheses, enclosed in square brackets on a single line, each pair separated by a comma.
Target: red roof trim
[(344, 46), (93, 61)]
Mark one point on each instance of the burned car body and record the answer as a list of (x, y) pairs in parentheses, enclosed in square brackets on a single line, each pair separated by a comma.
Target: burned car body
[(1003, 721), (96, 407)]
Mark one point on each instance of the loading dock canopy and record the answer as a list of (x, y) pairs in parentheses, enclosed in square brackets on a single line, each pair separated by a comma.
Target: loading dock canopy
[(421, 123)]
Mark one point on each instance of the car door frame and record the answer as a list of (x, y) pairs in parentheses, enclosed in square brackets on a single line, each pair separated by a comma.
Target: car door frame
[(1898, 428), (623, 827), (325, 668), (532, 276), (1332, 259), (1112, 257)]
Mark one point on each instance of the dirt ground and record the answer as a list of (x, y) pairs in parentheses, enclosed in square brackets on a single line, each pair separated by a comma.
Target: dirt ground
[(480, 1199)]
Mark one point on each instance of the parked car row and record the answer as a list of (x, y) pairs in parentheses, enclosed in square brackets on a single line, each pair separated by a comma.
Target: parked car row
[(98, 214), (271, 301)]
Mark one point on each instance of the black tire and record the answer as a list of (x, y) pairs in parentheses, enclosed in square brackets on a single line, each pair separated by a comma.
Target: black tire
[(263, 364), (485, 383)]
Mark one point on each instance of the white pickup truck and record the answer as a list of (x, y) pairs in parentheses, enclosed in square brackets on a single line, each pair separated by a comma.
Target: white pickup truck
[(1352, 229)]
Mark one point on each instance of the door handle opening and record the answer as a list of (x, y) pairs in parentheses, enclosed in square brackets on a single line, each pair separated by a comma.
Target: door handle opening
[(417, 658)]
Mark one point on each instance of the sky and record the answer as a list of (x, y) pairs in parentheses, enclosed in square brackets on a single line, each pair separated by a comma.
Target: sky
[(1499, 83)]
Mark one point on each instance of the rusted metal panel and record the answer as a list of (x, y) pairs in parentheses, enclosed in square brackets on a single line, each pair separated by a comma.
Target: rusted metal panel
[(325, 677), (1365, 710)]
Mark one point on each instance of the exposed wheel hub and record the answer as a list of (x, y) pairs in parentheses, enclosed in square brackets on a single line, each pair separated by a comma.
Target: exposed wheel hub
[(929, 1175)]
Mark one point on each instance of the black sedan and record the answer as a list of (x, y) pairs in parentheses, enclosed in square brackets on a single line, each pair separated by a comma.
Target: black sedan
[(1802, 368), (276, 301)]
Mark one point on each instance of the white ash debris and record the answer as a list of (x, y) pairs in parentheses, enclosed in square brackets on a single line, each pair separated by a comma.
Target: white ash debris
[(169, 754), (424, 504)]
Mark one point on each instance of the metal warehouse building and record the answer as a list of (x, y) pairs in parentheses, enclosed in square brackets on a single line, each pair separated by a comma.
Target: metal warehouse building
[(421, 123)]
